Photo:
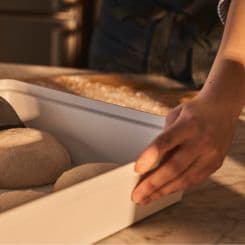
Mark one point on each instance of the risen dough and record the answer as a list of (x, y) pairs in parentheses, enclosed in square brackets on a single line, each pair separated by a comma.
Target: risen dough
[(13, 198), (81, 173), (30, 158)]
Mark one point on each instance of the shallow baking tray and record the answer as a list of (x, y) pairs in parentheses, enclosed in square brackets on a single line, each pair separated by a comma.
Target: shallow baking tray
[(92, 131)]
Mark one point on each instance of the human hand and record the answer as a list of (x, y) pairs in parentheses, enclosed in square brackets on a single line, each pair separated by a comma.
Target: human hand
[(193, 145)]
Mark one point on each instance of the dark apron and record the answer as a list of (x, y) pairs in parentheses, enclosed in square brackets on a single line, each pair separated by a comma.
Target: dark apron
[(176, 38)]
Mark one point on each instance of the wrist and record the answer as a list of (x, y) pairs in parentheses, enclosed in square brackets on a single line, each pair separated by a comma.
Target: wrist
[(225, 87)]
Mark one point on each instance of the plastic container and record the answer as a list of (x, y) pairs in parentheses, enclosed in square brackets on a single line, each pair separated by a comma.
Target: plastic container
[(92, 131)]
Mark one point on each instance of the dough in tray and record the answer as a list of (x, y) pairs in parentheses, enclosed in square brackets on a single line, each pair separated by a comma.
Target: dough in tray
[(81, 173), (13, 198), (30, 158)]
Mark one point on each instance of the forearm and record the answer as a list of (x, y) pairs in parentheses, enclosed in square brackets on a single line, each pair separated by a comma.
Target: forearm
[(226, 85), (226, 81)]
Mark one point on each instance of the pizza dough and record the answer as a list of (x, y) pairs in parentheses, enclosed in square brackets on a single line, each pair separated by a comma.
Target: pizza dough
[(30, 158), (81, 173), (13, 198)]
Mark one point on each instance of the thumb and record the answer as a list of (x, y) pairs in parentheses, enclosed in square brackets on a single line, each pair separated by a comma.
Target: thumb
[(167, 141), (172, 116)]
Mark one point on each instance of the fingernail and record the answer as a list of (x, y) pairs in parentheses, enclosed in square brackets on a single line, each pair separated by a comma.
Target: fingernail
[(139, 168), (142, 168), (137, 198)]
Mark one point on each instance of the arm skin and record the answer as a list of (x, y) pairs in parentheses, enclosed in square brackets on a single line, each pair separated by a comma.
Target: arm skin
[(198, 134), (227, 76)]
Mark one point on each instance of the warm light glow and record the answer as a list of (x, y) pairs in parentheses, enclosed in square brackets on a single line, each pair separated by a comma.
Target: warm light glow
[(10, 138)]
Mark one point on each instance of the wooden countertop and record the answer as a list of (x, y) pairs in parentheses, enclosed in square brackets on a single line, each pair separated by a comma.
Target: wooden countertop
[(152, 94), (213, 213)]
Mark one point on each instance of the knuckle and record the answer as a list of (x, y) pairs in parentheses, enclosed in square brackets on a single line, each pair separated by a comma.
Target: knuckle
[(157, 194), (164, 140), (163, 192), (151, 186), (208, 145), (187, 182), (214, 153), (193, 124), (206, 140), (190, 116), (176, 161)]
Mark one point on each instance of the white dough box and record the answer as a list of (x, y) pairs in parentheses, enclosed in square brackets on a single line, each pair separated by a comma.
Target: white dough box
[(92, 131)]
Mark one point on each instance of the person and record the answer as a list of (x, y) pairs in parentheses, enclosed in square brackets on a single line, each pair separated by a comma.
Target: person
[(181, 40)]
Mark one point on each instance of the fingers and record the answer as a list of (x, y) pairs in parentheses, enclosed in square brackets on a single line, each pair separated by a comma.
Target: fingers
[(177, 163), (194, 175), (152, 156)]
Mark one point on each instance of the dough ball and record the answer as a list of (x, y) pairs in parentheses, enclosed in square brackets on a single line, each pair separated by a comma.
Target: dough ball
[(30, 158), (81, 173), (13, 198)]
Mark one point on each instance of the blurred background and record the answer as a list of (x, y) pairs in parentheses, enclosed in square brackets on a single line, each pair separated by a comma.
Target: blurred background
[(170, 38), (46, 32)]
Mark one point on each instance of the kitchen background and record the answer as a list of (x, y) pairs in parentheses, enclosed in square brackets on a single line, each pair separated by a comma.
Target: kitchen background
[(58, 33), (47, 32)]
